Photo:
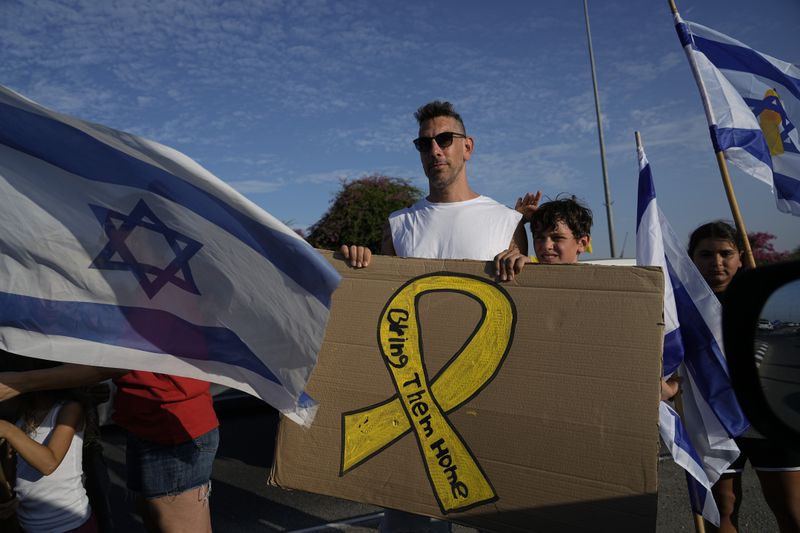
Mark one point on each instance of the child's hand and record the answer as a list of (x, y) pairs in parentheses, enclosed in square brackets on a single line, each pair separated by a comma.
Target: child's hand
[(509, 263), (670, 387), (528, 204)]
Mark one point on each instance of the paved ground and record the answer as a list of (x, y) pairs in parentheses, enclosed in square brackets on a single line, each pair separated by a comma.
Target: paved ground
[(242, 502)]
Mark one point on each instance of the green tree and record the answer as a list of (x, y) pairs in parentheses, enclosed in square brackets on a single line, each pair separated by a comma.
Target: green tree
[(359, 212)]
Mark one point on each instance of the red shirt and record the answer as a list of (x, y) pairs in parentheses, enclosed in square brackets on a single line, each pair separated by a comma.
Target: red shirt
[(163, 409)]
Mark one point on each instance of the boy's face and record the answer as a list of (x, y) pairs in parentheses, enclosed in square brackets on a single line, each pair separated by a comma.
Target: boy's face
[(558, 245)]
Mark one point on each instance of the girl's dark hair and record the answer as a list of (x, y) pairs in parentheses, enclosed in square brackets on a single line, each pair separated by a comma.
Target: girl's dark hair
[(718, 229)]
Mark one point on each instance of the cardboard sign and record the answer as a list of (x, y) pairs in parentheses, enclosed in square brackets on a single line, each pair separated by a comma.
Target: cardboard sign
[(522, 406)]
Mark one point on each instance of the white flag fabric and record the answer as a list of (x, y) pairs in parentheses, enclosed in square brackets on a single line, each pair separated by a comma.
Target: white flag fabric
[(702, 442), (752, 104), (117, 251)]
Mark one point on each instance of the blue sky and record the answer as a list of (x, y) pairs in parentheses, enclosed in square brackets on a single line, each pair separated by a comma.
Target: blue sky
[(283, 99), (782, 304)]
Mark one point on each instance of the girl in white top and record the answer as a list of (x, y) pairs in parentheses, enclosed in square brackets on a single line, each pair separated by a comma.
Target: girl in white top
[(48, 440)]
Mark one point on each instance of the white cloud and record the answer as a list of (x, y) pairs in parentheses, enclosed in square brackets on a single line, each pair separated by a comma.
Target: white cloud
[(636, 73), (256, 186), (546, 167)]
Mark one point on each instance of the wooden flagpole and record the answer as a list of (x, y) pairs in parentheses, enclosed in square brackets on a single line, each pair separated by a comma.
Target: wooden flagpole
[(749, 260)]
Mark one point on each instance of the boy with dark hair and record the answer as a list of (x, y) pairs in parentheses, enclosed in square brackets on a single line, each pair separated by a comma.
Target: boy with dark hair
[(561, 231)]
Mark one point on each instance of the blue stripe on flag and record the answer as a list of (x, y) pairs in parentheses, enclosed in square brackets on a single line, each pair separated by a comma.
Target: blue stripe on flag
[(727, 56), (684, 35), (676, 436), (702, 358), (149, 330), (786, 187), (682, 439), (647, 193), (73, 150), (697, 494), (673, 352), (751, 141)]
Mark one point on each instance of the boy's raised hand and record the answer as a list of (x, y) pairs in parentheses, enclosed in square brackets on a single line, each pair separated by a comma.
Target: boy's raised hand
[(528, 204), (357, 256)]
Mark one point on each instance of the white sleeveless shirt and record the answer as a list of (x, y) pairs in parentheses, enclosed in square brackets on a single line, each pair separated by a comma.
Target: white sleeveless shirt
[(474, 229), (58, 502)]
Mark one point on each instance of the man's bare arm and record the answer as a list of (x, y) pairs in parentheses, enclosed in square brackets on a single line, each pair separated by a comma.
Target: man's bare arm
[(59, 377), (510, 261), (520, 239), (387, 243)]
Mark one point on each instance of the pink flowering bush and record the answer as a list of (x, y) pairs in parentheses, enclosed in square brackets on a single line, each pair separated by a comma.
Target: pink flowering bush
[(763, 250)]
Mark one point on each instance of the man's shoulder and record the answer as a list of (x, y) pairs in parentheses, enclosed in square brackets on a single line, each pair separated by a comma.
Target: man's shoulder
[(419, 204), (491, 202), (494, 207), (485, 204)]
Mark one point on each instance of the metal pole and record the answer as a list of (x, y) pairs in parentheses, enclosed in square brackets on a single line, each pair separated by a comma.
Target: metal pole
[(611, 239)]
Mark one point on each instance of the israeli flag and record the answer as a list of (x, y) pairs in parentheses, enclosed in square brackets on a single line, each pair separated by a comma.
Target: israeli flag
[(117, 251), (702, 441), (752, 104)]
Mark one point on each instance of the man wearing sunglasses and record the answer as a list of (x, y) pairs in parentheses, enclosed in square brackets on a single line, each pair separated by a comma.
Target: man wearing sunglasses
[(453, 221)]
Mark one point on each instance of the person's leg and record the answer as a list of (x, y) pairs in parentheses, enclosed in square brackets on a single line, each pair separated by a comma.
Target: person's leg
[(728, 496), (782, 493), (187, 512), (778, 469)]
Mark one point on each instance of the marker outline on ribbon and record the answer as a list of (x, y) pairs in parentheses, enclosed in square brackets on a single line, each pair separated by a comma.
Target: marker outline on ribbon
[(370, 430)]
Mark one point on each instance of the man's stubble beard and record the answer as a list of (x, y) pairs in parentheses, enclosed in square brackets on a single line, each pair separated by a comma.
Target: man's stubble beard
[(439, 182)]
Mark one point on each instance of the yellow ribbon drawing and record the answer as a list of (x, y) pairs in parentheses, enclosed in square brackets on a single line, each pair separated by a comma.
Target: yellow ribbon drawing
[(421, 404)]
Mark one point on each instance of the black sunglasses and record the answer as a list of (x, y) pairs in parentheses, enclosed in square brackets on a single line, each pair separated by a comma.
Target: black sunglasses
[(444, 139)]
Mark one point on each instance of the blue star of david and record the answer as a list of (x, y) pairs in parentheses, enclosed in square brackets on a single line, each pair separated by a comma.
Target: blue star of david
[(118, 227)]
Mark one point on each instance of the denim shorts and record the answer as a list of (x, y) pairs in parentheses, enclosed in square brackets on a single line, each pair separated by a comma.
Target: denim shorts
[(156, 470)]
